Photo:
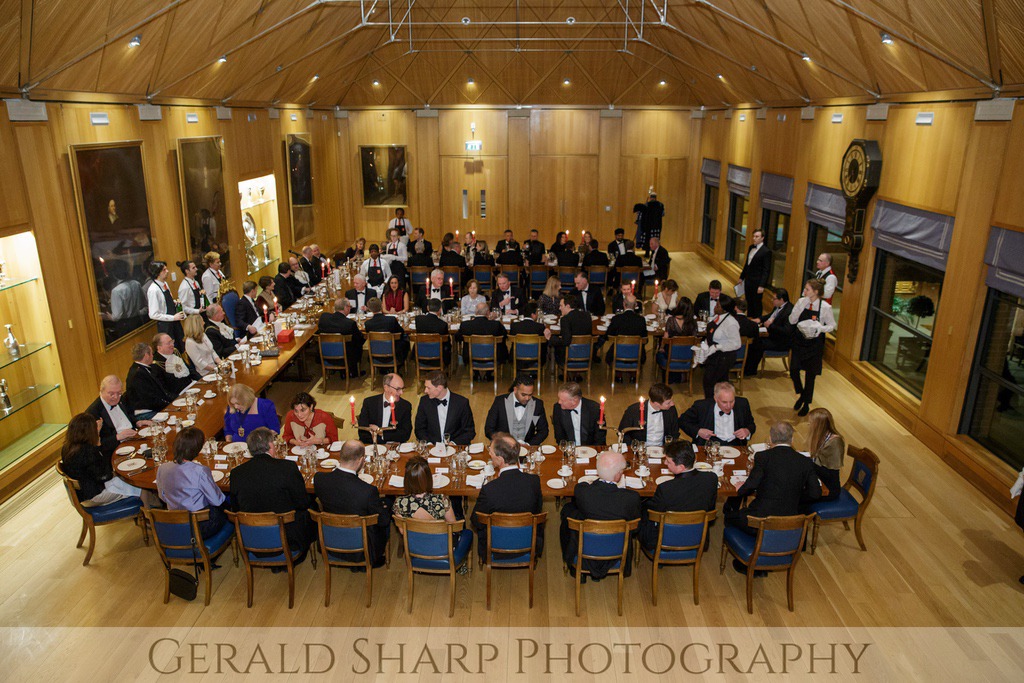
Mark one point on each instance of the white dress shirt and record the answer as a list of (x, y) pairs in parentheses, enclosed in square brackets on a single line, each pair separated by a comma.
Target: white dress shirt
[(831, 282), (727, 334), (117, 416), (576, 415), (655, 426), (202, 354), (187, 298), (712, 304), (750, 254), (823, 310), (126, 300), (157, 305), (211, 283), (442, 411), (402, 255), (725, 425), (393, 224), (385, 269)]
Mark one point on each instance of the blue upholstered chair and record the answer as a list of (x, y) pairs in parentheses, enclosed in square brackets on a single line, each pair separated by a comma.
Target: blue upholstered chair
[(100, 515), (776, 547), (579, 357), (511, 272), (567, 277), (681, 538), (598, 276), (484, 276), (538, 279), (737, 371), (511, 542), (430, 549), (429, 352), (626, 354), (784, 355), (454, 274), (383, 354), (264, 533), (863, 477), (343, 543), (526, 354), (229, 302), (606, 540), (419, 276), (334, 355), (178, 541), (483, 356), (676, 357)]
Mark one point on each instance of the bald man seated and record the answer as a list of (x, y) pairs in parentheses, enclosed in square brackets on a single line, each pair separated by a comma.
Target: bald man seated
[(118, 416)]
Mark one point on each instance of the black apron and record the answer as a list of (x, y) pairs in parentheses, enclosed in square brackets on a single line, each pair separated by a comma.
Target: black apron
[(375, 274), (400, 226), (171, 327), (720, 362), (808, 353)]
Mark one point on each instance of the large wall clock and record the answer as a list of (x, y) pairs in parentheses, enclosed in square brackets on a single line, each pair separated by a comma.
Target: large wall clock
[(860, 175)]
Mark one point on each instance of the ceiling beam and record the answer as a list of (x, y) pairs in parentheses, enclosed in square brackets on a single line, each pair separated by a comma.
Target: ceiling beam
[(24, 63), (639, 79), (995, 66)]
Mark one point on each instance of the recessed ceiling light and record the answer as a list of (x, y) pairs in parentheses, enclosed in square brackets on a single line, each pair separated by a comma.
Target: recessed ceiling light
[(316, 77), (376, 83), (223, 58), (570, 20), (662, 82), (566, 82), (720, 77), (804, 56), (136, 41), (887, 39), (465, 20), (470, 81)]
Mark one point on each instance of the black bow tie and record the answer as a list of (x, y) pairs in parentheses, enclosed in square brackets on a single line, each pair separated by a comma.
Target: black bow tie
[(441, 401), (655, 412), (722, 413), (520, 405), (575, 411)]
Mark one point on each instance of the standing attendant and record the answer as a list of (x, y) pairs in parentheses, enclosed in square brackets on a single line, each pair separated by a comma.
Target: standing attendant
[(723, 338), (375, 269), (305, 425), (212, 276), (402, 225), (826, 275), (650, 219), (162, 307), (246, 413), (808, 353), (756, 272), (190, 293)]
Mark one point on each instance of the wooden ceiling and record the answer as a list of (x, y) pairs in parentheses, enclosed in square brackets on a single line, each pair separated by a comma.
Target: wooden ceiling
[(360, 53)]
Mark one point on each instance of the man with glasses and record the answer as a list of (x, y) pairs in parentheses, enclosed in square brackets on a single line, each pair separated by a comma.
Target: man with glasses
[(518, 413), (118, 416), (376, 416)]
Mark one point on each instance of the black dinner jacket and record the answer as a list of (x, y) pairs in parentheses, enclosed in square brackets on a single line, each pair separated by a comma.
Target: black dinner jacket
[(312, 269), (483, 258), (590, 432), (371, 413), (600, 501), (660, 260), (629, 260), (510, 257), (595, 300), (497, 421), (782, 479), (343, 493), (460, 425), (483, 326), (145, 391), (246, 314), (266, 484), (613, 249), (518, 301), (701, 303), (368, 294), (339, 323), (527, 326), (780, 332), (221, 344), (628, 324), (595, 258), (502, 245), (382, 323), (748, 328), (511, 492), (756, 273), (447, 300), (574, 323), (451, 258), (631, 418), (429, 323), (534, 252), (424, 260), (283, 291), (688, 491), (108, 434), (567, 258), (701, 415)]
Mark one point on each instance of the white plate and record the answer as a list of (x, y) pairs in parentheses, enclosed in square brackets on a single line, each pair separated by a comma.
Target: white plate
[(564, 471), (585, 452), (662, 479), (217, 475), (381, 449), (406, 448), (368, 478), (633, 485), (147, 432), (235, 356), (703, 467), (602, 328), (440, 451), (329, 463), (651, 316), (125, 450), (729, 452), (476, 448), (178, 403), (588, 479), (236, 447), (160, 417), (336, 447), (210, 378), (476, 464), (651, 328), (298, 450), (440, 481), (192, 391), (547, 449), (556, 484), (131, 465)]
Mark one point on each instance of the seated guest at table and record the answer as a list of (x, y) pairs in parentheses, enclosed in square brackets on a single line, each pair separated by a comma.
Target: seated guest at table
[(432, 323), (311, 265), (661, 421), (416, 243), (629, 259), (360, 293), (507, 299), (82, 459), (342, 492), (379, 322), (375, 413), (827, 448), (185, 484), (617, 247), (530, 326), (298, 274), (781, 478), (481, 256), (601, 500), (284, 286), (220, 334), (420, 256), (592, 297), (118, 415), (511, 491), (519, 413), (396, 299), (472, 299), (375, 269), (178, 373), (595, 257), (560, 243), (510, 257), (680, 321), (338, 322), (306, 425), (575, 418), (724, 342), (707, 302), (507, 244), (668, 297), (483, 324), (420, 502), (247, 413), (267, 300), (248, 313), (618, 301), (438, 289), (688, 490), (357, 250), (442, 412), (726, 418), (658, 261), (550, 300), (780, 333), (450, 256), (567, 256), (265, 484), (533, 249), (629, 323), (146, 391), (574, 322), (748, 327), (199, 347)]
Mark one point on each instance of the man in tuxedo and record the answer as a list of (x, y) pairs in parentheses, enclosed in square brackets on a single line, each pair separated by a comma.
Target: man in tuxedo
[(417, 239), (518, 413), (342, 492), (575, 418), (299, 281), (338, 322), (311, 265), (601, 500), (247, 315), (378, 322), (595, 257), (437, 289), (146, 392), (567, 257), (432, 323), (376, 270), (756, 272), (510, 257), (419, 256), (534, 250), (592, 297), (658, 261), (117, 414), (508, 299), (781, 478), (360, 294), (616, 248), (177, 374), (780, 332), (532, 327), (661, 420), (482, 324), (221, 335), (443, 412), (628, 260), (450, 255), (708, 301), (574, 322), (688, 490), (282, 286), (509, 243), (266, 484), (726, 418), (375, 413), (748, 327), (619, 300), (511, 491), (629, 323)]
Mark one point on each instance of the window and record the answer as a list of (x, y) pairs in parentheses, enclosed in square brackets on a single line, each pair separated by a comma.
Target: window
[(822, 240), (736, 238), (776, 231), (707, 233), (994, 409), (904, 303)]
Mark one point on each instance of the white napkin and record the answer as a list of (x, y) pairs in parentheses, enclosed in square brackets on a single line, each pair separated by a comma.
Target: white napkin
[(396, 482), (220, 467), (293, 458), (475, 480), (758, 447), (633, 482), (336, 447), (695, 449), (220, 456), (160, 417), (299, 333)]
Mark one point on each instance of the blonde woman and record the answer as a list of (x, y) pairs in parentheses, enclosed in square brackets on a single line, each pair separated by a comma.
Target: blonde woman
[(547, 302), (198, 346), (827, 448), (246, 412)]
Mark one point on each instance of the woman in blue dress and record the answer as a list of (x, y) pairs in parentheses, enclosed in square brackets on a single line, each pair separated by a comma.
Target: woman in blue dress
[(246, 412)]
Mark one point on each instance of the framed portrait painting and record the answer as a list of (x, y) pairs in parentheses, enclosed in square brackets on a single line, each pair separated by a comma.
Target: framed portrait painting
[(201, 178), (384, 171), (298, 154), (113, 211)]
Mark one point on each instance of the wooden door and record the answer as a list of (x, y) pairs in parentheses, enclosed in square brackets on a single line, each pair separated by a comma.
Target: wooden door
[(457, 186), (490, 198)]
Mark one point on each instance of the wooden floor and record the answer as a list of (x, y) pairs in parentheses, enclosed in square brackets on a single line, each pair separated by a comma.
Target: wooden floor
[(939, 554)]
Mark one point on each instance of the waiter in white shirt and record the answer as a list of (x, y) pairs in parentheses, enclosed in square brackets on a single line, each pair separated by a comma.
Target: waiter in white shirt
[(212, 276), (190, 293), (402, 225), (162, 307), (724, 340)]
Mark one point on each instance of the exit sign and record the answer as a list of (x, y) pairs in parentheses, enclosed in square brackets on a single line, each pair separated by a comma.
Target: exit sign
[(474, 145)]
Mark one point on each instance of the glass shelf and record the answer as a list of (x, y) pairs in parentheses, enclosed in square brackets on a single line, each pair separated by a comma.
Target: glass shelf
[(271, 238), (263, 265), (28, 442), (26, 351), (26, 398), (11, 284)]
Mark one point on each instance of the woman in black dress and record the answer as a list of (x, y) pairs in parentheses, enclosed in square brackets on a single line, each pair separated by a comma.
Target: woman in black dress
[(808, 353)]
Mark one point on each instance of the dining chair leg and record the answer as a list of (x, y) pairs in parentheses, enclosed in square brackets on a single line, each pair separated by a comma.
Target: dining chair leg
[(696, 582), (857, 530), (579, 576), (248, 581), (789, 586), (291, 586), (654, 580), (327, 584), (622, 578), (92, 545), (369, 582), (750, 588), (209, 581), (167, 584), (814, 538), (410, 590), (85, 530), (531, 570), (487, 573), (721, 568), (846, 524), (451, 595)]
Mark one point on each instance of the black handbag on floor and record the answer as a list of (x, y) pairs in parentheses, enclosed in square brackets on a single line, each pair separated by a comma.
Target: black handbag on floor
[(183, 584)]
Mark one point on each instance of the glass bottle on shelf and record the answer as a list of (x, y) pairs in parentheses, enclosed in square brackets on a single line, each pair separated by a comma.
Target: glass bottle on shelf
[(11, 343), (5, 398)]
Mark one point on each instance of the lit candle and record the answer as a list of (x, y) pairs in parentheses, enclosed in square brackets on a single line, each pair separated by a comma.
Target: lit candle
[(277, 306), (323, 269), (600, 420), (655, 289), (104, 264), (266, 317), (632, 287), (394, 420), (451, 289), (641, 412), (352, 404)]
